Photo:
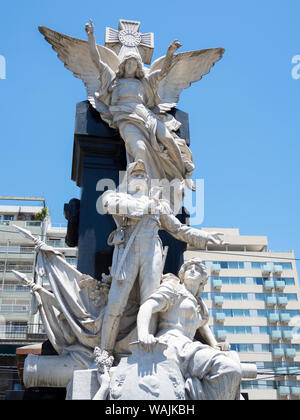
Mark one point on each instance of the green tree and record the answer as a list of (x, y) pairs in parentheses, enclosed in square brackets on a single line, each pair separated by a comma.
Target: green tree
[(41, 215)]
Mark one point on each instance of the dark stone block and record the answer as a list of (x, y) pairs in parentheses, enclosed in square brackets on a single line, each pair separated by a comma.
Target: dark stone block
[(183, 118), (48, 349), (103, 259), (96, 145), (72, 214), (89, 123), (98, 154)]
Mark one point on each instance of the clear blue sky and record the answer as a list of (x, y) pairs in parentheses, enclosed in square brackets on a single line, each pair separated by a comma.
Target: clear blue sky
[(244, 116)]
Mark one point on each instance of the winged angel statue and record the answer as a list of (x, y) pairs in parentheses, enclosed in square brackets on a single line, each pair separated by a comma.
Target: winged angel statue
[(136, 99)]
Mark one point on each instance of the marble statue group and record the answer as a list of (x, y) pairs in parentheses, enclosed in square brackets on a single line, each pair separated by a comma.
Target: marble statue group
[(134, 329)]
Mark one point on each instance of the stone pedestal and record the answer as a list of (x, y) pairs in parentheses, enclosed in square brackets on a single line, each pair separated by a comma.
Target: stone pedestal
[(84, 385)]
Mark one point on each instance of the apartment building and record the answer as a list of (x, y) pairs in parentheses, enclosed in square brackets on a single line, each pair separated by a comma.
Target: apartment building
[(253, 297), (17, 326)]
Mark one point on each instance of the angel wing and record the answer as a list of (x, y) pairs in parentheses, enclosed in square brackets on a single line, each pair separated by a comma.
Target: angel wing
[(186, 68), (75, 55)]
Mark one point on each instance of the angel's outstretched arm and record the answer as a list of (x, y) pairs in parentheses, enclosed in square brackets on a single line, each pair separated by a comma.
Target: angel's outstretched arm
[(95, 56), (168, 59)]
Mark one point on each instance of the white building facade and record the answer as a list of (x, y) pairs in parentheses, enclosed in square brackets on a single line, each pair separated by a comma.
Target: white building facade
[(17, 253), (253, 297)]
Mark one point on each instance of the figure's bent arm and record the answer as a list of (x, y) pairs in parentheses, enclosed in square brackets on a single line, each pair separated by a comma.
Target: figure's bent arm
[(146, 310), (95, 56), (123, 204), (208, 336), (169, 57), (210, 339), (160, 74), (194, 237)]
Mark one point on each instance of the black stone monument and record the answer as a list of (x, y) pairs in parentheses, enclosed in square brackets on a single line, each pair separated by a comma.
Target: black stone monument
[(99, 153)]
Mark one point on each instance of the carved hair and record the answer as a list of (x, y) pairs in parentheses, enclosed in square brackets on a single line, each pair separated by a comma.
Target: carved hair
[(139, 74)]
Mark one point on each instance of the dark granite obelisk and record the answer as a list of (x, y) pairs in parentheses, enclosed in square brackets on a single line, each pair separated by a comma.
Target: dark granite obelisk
[(99, 153)]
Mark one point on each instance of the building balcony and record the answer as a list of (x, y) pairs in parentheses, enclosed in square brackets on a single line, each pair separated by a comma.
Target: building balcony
[(290, 353), (221, 335), (271, 300), (22, 333), (277, 269), (295, 390), (17, 252), (267, 269), (282, 301), (23, 268), (215, 268), (14, 292), (269, 284), (273, 318), (217, 284), (284, 391), (287, 335), (6, 308), (278, 353), (220, 317), (32, 225), (285, 318), (276, 335), (279, 284), (219, 300)]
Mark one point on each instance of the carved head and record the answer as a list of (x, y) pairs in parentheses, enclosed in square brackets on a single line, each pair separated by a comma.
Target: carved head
[(131, 66), (137, 178), (194, 270)]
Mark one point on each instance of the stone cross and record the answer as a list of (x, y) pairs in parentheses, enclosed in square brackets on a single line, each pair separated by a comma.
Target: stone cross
[(128, 39)]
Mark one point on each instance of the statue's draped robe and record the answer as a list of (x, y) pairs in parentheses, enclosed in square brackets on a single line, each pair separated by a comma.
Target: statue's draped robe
[(145, 116), (71, 319)]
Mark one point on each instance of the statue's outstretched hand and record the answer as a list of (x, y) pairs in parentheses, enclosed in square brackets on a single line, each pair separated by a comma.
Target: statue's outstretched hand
[(174, 46), (147, 341), (214, 238), (22, 278), (223, 346), (89, 28)]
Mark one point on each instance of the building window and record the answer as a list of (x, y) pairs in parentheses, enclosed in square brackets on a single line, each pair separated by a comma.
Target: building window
[(72, 260), (260, 265), (289, 281), (225, 264), (7, 217), (56, 242)]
